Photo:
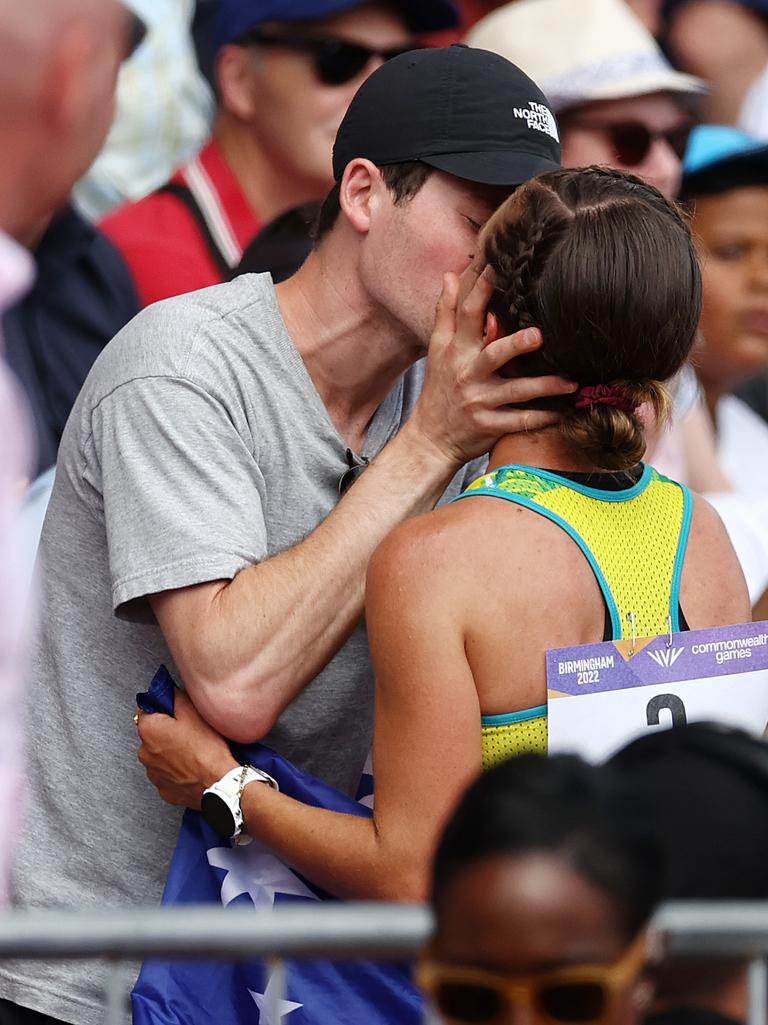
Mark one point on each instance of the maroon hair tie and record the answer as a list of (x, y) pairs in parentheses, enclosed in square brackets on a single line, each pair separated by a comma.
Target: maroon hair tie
[(604, 395)]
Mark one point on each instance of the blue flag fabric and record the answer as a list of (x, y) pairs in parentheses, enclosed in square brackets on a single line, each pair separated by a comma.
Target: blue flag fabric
[(205, 869)]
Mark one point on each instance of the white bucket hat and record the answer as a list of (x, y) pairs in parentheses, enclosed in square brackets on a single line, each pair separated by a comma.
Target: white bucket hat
[(578, 51)]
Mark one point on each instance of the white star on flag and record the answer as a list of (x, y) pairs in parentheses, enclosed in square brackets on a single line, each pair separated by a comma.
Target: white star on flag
[(367, 771), (262, 1001), (254, 870)]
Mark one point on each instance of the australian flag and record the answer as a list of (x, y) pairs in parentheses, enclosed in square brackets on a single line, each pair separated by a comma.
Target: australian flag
[(205, 869)]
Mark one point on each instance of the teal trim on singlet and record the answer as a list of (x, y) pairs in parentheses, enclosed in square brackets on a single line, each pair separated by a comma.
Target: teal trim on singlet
[(682, 544), (555, 518), (622, 495), (507, 718)]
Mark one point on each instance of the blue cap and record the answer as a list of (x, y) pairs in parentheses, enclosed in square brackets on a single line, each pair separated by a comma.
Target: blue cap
[(236, 17), (711, 147)]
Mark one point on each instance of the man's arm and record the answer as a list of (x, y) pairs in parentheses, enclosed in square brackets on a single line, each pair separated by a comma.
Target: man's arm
[(246, 647), (427, 743)]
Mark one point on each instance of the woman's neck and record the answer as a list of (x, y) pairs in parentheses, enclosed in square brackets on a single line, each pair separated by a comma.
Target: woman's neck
[(545, 449)]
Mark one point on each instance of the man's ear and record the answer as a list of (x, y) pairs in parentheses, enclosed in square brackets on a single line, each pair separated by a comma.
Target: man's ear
[(236, 72), (361, 186)]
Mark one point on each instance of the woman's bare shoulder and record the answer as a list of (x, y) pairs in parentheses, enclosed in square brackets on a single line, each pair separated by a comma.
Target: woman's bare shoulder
[(468, 540), (714, 592), (428, 544)]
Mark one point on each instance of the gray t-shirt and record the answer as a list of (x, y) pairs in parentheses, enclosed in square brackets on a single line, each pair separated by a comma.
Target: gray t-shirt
[(197, 447)]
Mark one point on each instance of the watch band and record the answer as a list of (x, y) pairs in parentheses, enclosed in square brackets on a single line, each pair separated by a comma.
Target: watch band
[(221, 807)]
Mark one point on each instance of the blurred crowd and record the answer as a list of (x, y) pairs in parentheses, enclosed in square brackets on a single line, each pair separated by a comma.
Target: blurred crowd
[(153, 148)]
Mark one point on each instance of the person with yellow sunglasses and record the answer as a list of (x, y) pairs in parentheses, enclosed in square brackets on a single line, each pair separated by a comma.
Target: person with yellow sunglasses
[(541, 893)]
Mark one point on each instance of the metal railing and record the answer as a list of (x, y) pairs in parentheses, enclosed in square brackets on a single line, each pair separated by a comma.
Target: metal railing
[(336, 931)]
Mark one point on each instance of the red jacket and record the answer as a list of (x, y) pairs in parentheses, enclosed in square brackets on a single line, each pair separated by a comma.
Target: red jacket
[(161, 241)]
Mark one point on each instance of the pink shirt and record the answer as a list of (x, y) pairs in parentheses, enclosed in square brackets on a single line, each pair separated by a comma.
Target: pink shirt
[(16, 272)]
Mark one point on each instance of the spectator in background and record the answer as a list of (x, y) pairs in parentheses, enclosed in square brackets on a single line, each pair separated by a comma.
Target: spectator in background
[(58, 64), (726, 180), (81, 297), (617, 99), (550, 863), (540, 898), (726, 43), (285, 74), (692, 786), (163, 112), (83, 294)]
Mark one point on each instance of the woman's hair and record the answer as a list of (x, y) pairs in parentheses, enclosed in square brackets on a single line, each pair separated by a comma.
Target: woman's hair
[(557, 806), (606, 267)]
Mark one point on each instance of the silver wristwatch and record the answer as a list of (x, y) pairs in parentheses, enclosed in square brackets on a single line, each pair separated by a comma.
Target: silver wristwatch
[(220, 806)]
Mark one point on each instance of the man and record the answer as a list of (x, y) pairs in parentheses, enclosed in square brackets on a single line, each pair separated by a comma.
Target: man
[(197, 492), (58, 63), (81, 296), (617, 99), (285, 73)]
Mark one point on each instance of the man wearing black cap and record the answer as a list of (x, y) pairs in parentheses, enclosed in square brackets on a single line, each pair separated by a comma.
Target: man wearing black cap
[(285, 71), (196, 518)]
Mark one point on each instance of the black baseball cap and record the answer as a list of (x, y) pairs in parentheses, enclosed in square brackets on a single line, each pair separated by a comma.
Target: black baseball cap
[(465, 111)]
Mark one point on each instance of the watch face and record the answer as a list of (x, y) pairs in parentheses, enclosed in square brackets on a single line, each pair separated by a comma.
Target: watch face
[(218, 815)]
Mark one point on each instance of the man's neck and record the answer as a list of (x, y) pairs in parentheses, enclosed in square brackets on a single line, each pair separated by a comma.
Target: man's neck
[(268, 189), (353, 351)]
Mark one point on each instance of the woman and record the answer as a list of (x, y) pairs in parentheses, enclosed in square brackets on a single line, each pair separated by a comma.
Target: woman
[(463, 603), (540, 895)]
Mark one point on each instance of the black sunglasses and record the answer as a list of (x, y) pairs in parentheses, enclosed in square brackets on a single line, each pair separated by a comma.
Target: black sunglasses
[(631, 141), (336, 61)]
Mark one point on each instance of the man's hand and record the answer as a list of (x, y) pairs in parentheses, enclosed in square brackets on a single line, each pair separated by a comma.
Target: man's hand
[(182, 755), (464, 406)]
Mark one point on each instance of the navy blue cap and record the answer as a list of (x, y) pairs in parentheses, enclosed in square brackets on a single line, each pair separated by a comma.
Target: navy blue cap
[(237, 17), (462, 110)]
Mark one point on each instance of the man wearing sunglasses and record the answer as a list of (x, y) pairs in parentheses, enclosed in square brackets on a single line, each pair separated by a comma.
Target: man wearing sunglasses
[(285, 73), (619, 103)]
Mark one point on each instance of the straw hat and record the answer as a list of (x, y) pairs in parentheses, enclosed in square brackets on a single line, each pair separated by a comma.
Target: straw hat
[(581, 50)]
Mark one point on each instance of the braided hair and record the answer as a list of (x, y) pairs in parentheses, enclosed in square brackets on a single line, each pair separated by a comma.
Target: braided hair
[(606, 267)]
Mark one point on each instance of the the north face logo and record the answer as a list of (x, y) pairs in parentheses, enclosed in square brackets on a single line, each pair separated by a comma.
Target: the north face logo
[(538, 117), (666, 657)]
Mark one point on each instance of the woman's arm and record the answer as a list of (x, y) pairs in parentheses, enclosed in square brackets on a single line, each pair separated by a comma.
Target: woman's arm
[(427, 737)]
